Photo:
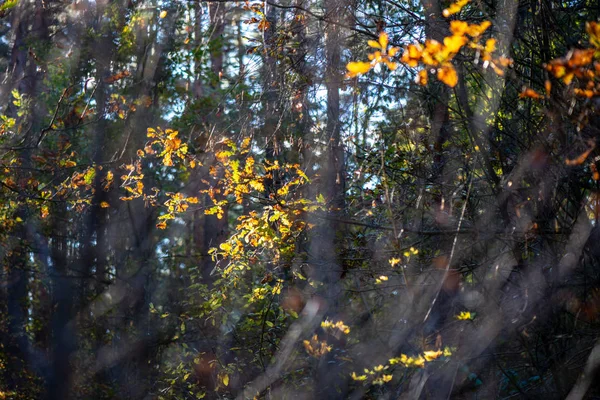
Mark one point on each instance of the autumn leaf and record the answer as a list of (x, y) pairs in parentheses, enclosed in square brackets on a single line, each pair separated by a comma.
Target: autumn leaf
[(447, 74), (161, 225), (356, 68), (465, 315), (432, 355), (583, 156), (476, 30), (593, 29), (455, 8), (412, 55), (453, 44), (163, 14), (529, 93), (422, 77), (459, 27), (490, 45)]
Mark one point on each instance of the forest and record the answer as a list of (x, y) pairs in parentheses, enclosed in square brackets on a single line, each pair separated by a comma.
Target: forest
[(299, 199)]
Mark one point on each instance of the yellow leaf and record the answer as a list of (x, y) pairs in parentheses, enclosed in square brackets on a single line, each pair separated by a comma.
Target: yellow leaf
[(490, 45), (356, 68), (432, 355), (447, 74), (455, 8), (383, 40), (476, 30), (374, 44), (459, 27), (104, 204), (358, 377), (226, 380), (454, 43), (412, 55), (225, 247), (163, 14)]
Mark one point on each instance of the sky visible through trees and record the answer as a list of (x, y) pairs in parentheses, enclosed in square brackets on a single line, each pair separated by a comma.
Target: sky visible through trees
[(299, 199)]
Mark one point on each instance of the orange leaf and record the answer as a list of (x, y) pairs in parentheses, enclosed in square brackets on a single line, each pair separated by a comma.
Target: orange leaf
[(593, 29), (412, 55), (447, 74), (582, 157), (585, 93), (422, 77), (530, 93), (548, 86), (391, 65), (161, 225), (459, 27)]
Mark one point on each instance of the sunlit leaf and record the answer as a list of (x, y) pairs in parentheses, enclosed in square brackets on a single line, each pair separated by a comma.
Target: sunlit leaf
[(356, 68), (447, 74), (454, 8)]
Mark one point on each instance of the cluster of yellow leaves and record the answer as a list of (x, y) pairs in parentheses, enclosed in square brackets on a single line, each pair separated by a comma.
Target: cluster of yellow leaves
[(394, 261), (334, 328), (455, 8), (78, 188), (242, 176), (315, 347), (465, 315), (378, 375), (177, 203), (437, 57), (132, 181), (170, 146), (382, 55), (261, 292), (411, 251), (420, 360)]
